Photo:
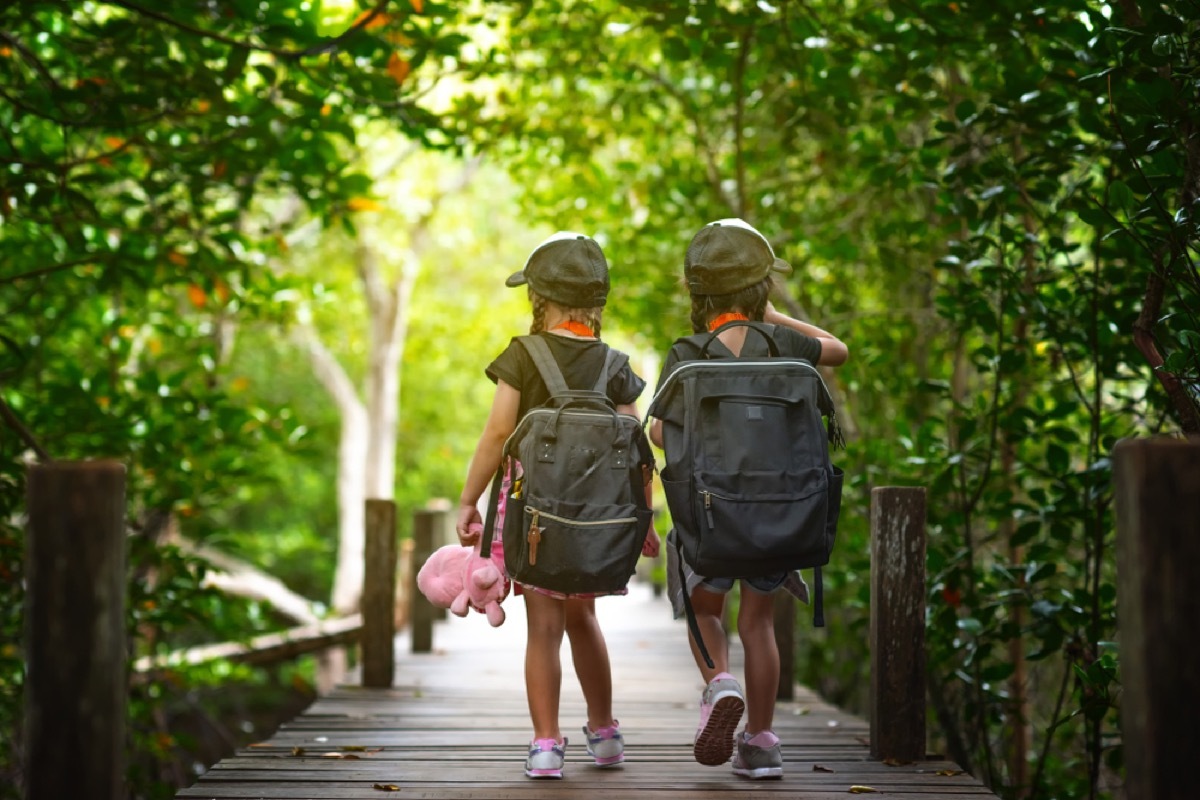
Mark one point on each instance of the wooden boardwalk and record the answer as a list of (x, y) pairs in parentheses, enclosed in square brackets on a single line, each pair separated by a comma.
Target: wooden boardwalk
[(456, 726)]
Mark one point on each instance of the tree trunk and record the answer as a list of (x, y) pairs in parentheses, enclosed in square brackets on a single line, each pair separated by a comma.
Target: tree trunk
[(351, 473)]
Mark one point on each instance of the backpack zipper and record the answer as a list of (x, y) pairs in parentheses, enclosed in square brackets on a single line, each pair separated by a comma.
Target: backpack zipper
[(738, 364), (579, 523), (534, 534), (533, 537)]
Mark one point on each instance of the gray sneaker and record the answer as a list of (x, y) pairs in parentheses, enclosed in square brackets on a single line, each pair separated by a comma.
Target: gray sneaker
[(721, 708), (758, 756)]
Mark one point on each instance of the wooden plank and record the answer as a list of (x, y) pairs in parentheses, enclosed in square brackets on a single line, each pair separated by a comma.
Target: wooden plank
[(379, 595), (897, 635), (455, 725), (1158, 571), (75, 645)]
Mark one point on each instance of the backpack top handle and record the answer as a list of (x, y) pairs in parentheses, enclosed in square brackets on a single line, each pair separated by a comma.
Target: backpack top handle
[(772, 348)]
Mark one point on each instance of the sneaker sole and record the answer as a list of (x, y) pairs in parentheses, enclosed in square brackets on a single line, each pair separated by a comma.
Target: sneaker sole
[(543, 773), (714, 744), (608, 761), (759, 773)]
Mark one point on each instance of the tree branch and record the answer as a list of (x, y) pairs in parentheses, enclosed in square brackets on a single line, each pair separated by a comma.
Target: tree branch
[(10, 417), (327, 46)]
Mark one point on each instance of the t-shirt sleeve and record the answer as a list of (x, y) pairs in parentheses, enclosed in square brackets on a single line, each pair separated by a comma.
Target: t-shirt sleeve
[(626, 386), (507, 366), (797, 345)]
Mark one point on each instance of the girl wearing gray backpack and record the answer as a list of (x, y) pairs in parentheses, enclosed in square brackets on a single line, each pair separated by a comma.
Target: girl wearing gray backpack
[(559, 369), (728, 269)]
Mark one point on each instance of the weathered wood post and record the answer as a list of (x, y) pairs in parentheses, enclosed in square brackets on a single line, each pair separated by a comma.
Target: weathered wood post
[(897, 636), (427, 526), (785, 640), (379, 595), (75, 647), (1158, 591)]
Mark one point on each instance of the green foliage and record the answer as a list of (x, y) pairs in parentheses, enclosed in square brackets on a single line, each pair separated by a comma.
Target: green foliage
[(985, 201), (992, 204), (139, 142)]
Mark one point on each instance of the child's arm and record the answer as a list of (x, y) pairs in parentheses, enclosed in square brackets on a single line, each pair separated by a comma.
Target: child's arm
[(833, 351), (656, 433), (501, 422), (651, 543)]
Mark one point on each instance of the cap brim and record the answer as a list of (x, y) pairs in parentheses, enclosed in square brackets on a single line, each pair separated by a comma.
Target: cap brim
[(516, 279), (780, 266)]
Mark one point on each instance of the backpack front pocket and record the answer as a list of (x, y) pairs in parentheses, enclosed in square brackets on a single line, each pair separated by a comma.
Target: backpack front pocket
[(761, 523), (566, 548)]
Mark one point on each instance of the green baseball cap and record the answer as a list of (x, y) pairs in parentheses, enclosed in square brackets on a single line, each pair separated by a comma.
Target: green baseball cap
[(727, 256), (568, 268)]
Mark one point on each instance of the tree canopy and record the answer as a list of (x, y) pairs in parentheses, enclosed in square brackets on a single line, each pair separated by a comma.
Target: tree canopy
[(992, 204)]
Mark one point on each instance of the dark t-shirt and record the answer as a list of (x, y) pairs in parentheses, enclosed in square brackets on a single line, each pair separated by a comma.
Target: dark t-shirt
[(580, 361), (792, 344)]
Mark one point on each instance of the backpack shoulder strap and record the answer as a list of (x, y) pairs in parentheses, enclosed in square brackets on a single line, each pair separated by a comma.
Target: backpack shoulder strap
[(614, 362), (547, 367), (543, 359)]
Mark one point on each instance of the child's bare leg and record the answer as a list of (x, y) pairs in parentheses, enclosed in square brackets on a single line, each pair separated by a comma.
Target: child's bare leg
[(546, 620), (589, 653), (710, 608), (756, 629)]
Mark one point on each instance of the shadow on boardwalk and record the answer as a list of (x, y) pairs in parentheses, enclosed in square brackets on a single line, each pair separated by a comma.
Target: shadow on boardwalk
[(456, 726)]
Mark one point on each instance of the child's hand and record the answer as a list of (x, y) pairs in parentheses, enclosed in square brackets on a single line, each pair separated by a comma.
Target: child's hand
[(651, 544), (469, 525)]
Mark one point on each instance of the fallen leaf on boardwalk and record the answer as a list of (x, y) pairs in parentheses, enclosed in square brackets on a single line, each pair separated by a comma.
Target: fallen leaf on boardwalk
[(895, 762), (258, 744), (335, 754), (862, 789), (950, 773), (354, 748), (297, 751), (386, 787), (819, 768)]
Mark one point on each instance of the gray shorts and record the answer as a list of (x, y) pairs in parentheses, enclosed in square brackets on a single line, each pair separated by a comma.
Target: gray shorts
[(789, 581)]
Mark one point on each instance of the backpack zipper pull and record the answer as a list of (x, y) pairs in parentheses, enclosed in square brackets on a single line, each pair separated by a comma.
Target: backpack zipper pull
[(533, 537), (708, 509)]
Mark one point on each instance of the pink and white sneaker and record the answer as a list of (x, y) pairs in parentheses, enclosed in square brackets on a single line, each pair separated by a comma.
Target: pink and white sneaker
[(546, 757), (721, 708), (605, 745)]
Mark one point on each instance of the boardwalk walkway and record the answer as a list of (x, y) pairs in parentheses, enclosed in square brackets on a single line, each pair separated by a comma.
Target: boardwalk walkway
[(456, 726)]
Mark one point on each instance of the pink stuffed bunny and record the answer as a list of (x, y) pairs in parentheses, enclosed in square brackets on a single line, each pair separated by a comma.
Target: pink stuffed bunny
[(458, 578)]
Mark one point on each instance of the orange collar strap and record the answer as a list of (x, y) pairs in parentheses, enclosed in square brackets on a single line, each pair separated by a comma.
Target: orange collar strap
[(724, 318), (577, 328)]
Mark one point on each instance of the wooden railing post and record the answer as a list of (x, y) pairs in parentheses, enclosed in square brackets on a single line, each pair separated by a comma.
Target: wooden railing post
[(75, 644), (897, 636), (428, 524), (379, 595), (1158, 590)]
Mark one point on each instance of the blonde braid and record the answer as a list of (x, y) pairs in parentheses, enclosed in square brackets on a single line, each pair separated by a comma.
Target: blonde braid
[(539, 312)]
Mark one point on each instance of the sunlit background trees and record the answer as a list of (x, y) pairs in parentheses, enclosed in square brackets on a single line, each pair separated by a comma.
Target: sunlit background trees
[(255, 251)]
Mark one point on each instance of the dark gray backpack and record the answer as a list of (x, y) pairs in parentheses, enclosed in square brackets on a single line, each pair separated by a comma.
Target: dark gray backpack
[(748, 478), (575, 512)]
